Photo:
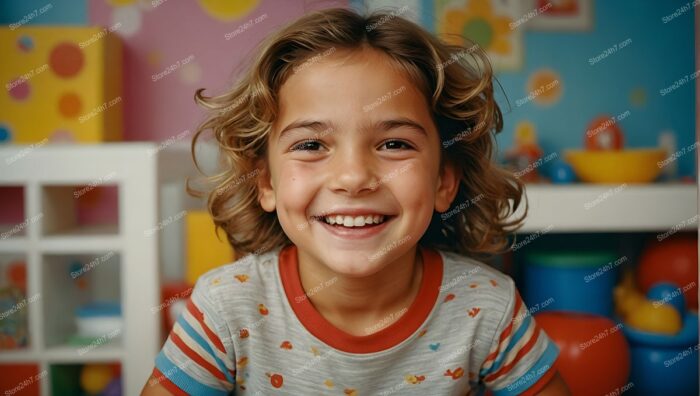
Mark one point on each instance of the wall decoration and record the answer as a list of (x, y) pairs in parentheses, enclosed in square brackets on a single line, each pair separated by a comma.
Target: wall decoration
[(544, 87), (62, 83), (560, 14), (486, 23)]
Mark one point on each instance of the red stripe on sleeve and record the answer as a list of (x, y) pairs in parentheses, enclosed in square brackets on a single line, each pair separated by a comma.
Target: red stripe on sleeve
[(506, 332), (525, 349), (196, 357), (544, 380), (200, 318), (167, 384)]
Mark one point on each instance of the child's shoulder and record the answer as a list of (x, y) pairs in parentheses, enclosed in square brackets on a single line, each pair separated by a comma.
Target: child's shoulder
[(468, 277), (246, 274)]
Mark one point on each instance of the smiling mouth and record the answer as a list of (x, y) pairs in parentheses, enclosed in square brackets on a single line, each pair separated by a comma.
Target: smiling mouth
[(353, 222)]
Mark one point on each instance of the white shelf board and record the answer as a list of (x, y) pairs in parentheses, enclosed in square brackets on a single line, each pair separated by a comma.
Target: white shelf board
[(73, 354), (610, 207), (19, 356)]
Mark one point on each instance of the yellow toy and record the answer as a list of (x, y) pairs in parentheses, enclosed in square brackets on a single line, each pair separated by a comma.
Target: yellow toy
[(204, 250), (643, 314)]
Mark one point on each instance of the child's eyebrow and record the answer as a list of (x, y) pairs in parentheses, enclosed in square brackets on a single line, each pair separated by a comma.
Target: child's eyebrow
[(382, 125)]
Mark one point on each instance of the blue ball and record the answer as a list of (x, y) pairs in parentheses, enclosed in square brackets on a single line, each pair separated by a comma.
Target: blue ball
[(562, 173), (667, 293)]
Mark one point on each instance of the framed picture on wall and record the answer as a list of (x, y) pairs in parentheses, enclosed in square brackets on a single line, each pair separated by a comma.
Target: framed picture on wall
[(560, 14), (489, 23)]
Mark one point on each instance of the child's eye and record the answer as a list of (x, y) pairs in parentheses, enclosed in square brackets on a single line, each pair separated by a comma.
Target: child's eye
[(306, 145), (396, 143)]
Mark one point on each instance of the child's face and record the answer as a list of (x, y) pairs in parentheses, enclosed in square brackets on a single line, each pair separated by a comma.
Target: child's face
[(376, 148)]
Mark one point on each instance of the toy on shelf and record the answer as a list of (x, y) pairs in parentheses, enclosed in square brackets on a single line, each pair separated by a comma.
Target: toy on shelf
[(570, 281), (173, 296), (14, 315), (525, 156), (561, 173), (70, 75), (101, 321), (648, 313), (660, 324), (673, 259), (100, 380), (605, 159), (603, 134), (594, 357)]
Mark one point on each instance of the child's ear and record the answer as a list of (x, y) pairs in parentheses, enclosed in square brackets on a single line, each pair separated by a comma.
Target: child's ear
[(266, 193), (448, 184)]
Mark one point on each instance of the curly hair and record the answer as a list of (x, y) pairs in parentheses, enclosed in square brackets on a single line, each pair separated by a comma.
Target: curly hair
[(457, 82)]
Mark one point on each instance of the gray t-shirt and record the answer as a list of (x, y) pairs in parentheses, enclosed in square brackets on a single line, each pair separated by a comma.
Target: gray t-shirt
[(250, 329)]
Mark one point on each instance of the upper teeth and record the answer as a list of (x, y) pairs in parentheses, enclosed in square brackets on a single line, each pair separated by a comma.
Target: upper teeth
[(357, 221)]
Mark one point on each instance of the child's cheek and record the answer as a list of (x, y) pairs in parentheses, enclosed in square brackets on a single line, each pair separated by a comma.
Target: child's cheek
[(297, 183)]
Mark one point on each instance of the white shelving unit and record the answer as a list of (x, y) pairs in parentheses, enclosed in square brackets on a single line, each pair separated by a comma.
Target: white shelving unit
[(130, 271), (611, 208)]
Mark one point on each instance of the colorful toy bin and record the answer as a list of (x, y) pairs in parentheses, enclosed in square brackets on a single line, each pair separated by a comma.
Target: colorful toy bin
[(60, 84), (570, 281)]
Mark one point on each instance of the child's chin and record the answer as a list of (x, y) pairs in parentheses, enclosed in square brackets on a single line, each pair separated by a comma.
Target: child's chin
[(356, 267)]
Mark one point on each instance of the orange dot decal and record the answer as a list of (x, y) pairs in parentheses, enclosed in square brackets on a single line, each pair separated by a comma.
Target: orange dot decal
[(545, 87), (66, 60), (69, 105)]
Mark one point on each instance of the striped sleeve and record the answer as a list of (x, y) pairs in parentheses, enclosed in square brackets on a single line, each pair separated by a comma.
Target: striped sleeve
[(197, 358), (521, 358)]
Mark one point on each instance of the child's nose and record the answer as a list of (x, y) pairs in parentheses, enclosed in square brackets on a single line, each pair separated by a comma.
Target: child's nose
[(352, 171)]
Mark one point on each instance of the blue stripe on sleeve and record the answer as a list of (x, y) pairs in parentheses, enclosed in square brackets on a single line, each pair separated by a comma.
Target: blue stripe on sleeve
[(205, 345), (182, 380), (543, 364), (513, 341)]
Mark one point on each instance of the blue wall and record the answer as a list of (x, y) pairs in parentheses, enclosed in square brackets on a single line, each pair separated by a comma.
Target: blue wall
[(60, 12), (658, 55)]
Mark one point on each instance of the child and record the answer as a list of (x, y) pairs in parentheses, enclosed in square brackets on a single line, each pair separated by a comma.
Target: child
[(358, 171)]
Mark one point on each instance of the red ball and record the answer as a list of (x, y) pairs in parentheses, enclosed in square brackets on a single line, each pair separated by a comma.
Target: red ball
[(594, 357), (604, 134), (673, 259)]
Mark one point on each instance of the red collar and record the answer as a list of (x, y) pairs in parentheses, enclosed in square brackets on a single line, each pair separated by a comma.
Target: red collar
[(383, 339)]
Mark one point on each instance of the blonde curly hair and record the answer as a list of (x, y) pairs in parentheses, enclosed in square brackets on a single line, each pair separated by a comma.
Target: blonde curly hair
[(457, 82)]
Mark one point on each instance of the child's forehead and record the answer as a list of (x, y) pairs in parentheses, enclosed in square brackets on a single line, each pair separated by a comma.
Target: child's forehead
[(351, 88)]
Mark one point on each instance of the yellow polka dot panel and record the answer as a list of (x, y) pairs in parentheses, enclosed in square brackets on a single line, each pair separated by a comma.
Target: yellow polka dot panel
[(60, 84)]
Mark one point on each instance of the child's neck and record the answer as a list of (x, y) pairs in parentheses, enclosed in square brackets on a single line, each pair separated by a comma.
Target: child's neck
[(357, 305)]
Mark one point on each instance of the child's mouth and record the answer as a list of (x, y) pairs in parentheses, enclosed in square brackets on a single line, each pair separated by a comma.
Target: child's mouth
[(353, 231)]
